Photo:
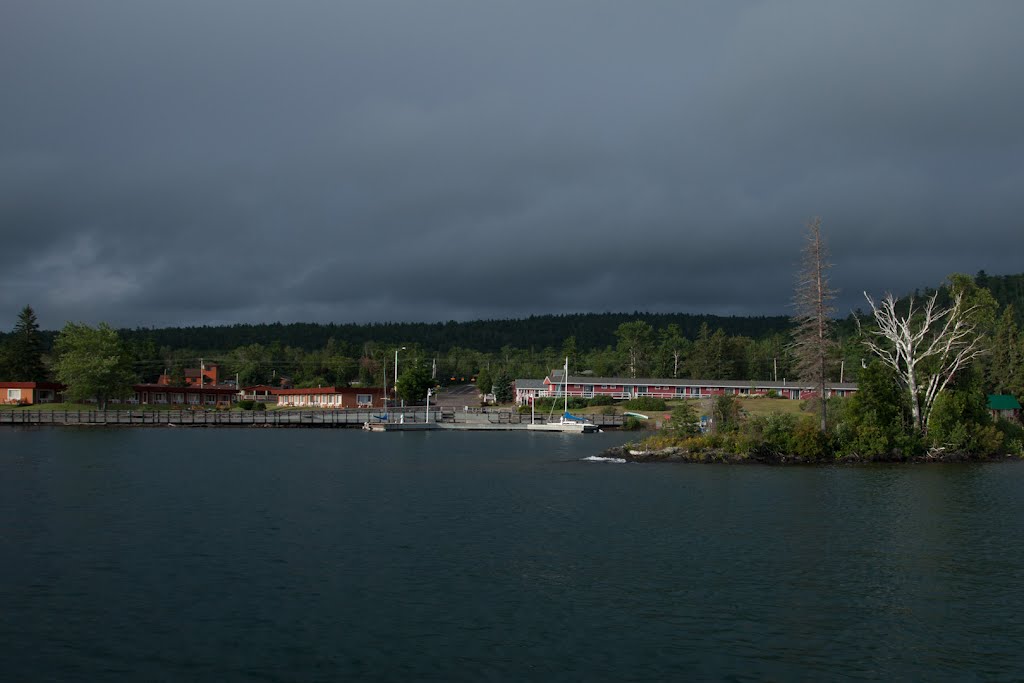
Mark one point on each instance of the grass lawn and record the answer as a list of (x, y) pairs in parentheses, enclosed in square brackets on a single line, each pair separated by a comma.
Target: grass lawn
[(753, 406), (766, 406)]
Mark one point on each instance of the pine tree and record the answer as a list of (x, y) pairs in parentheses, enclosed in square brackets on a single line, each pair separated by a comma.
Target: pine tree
[(812, 338), (24, 353), (1004, 363)]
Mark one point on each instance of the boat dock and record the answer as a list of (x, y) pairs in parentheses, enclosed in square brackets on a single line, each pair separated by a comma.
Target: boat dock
[(400, 419)]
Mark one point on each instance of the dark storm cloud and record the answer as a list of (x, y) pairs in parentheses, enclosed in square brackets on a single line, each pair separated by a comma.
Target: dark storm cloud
[(190, 163)]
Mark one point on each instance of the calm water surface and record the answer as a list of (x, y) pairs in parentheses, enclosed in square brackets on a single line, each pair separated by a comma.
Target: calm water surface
[(299, 555)]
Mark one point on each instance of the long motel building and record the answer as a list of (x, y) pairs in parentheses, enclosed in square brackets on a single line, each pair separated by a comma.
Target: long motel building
[(622, 388)]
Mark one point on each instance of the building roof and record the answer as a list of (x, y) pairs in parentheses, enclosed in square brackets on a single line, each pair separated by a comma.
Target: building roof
[(208, 389), (670, 382), (311, 391), (530, 384), (56, 386), (1003, 402)]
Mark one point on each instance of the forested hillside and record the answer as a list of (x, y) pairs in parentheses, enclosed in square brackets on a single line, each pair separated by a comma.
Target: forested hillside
[(592, 330), (607, 344)]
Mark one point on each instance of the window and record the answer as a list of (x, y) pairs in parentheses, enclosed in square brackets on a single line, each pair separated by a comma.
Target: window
[(159, 397), (14, 394), (364, 399)]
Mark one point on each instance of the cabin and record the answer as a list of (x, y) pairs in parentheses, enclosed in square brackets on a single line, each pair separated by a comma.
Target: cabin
[(331, 398), (188, 396), (1004, 406), (259, 392), (30, 393)]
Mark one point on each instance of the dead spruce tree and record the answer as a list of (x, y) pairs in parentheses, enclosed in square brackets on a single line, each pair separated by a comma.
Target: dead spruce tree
[(812, 338), (926, 346)]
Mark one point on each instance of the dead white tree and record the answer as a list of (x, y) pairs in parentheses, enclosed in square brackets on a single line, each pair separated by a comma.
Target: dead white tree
[(926, 347), (812, 338)]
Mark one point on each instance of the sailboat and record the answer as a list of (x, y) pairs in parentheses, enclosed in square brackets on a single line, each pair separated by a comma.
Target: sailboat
[(567, 422)]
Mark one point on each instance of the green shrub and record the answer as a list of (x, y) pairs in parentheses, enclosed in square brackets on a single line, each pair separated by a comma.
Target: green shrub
[(684, 420), (632, 424), (246, 404), (601, 401), (646, 403)]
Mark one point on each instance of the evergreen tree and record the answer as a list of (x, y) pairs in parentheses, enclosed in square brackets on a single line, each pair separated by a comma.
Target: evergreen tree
[(877, 420), (503, 388), (812, 338), (570, 351), (684, 421), (24, 352), (1004, 372)]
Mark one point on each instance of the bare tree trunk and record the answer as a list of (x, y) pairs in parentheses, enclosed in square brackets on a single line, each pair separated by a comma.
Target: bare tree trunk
[(812, 339)]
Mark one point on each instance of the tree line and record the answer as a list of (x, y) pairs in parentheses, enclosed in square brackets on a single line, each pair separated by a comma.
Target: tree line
[(811, 347)]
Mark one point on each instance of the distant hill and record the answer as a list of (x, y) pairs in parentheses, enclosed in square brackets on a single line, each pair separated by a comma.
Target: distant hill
[(592, 330)]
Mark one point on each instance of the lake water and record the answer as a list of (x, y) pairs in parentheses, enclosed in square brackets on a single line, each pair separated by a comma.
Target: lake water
[(325, 555)]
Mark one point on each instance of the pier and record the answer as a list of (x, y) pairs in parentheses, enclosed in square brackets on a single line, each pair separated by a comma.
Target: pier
[(406, 419)]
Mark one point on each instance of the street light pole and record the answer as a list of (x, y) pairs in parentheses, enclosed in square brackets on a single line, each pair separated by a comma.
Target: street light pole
[(396, 372)]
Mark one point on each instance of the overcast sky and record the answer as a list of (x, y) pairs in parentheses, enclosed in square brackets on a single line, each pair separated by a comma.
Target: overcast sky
[(207, 162)]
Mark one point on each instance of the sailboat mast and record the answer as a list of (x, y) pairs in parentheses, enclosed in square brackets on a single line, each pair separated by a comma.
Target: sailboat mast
[(565, 382)]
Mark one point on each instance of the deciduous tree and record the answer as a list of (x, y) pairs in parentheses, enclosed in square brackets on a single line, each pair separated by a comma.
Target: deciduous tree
[(636, 339), (928, 345), (674, 347), (413, 382), (92, 363)]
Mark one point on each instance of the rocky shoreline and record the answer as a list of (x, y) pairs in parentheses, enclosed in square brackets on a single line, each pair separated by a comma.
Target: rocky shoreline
[(633, 453)]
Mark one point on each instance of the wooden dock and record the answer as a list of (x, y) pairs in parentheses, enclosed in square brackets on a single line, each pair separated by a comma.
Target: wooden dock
[(403, 419)]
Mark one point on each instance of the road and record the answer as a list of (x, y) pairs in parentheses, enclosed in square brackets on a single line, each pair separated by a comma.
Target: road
[(458, 396)]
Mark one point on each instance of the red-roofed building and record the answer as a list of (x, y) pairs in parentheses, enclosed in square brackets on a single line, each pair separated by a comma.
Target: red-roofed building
[(161, 394), (332, 398), (28, 393), (195, 377)]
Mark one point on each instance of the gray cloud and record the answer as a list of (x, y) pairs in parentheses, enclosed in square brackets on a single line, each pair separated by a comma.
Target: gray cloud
[(191, 163)]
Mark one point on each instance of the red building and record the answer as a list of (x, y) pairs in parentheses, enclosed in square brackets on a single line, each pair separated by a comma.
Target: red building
[(333, 398), (195, 377), (161, 394), (28, 393)]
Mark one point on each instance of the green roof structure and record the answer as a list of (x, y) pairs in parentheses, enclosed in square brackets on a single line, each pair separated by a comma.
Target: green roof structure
[(1003, 402)]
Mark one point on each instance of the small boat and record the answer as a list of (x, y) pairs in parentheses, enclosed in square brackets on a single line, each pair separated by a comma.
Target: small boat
[(567, 422)]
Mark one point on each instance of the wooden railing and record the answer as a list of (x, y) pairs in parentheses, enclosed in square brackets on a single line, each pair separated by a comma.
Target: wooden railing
[(269, 418)]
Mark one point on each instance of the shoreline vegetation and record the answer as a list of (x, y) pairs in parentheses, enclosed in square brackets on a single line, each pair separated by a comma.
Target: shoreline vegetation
[(672, 454), (872, 426)]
